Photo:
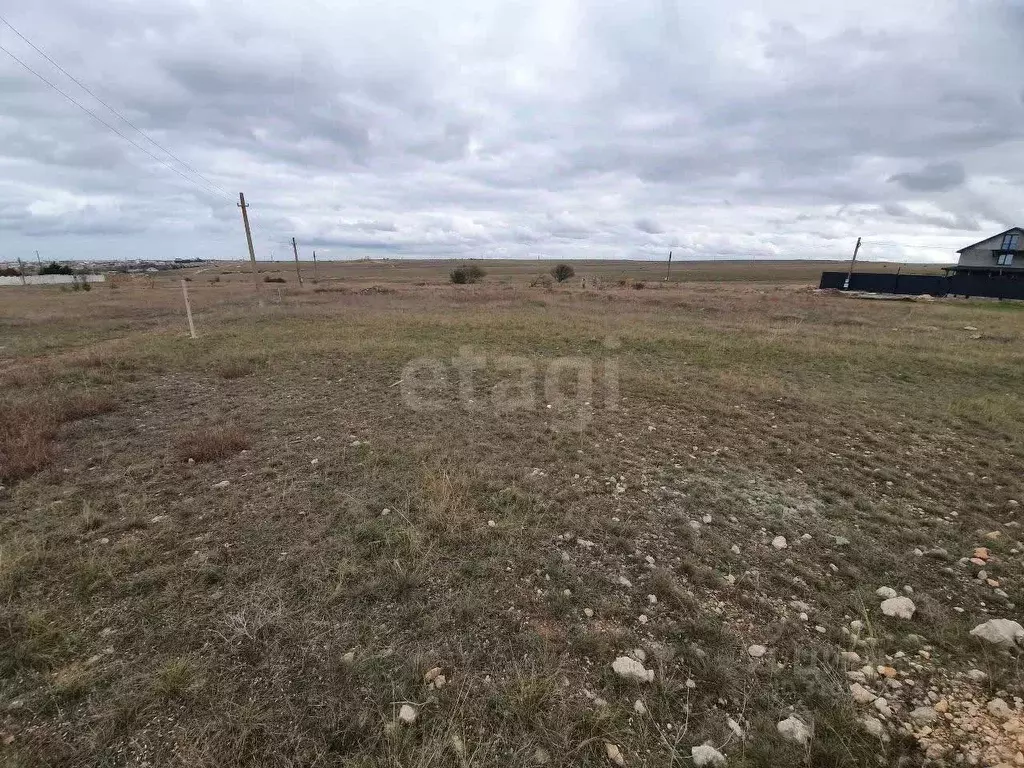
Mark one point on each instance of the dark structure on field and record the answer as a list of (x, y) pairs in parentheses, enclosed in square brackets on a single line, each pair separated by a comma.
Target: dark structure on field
[(993, 267)]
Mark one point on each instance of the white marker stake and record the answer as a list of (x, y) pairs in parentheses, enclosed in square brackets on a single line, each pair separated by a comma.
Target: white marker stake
[(188, 308)]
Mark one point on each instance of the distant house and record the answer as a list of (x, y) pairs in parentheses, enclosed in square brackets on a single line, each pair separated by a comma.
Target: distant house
[(1001, 254)]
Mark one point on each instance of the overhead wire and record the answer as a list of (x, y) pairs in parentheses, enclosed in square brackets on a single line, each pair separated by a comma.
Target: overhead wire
[(124, 119)]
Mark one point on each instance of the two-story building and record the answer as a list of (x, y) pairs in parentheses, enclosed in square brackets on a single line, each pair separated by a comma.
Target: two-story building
[(1001, 255)]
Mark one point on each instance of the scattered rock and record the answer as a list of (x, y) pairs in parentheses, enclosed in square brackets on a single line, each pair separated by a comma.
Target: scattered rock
[(349, 658), (756, 651), (588, 612), (735, 549), (850, 657), (873, 726), (631, 669), (1003, 632), (899, 607), (981, 553), (882, 705), (221, 484), (1000, 709), (793, 730), (432, 675), (639, 707), (623, 581), (735, 728), (923, 715), (706, 755), (541, 756), (779, 542), (976, 675), (841, 541), (886, 592), (861, 694), (407, 714), (614, 754)]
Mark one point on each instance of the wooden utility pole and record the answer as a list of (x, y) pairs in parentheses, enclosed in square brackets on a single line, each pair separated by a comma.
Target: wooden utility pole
[(668, 272), (315, 276), (38, 260), (295, 250), (21, 269), (248, 239), (846, 285), (188, 309)]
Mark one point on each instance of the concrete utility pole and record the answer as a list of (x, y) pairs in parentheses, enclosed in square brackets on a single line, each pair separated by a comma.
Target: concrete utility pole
[(315, 276), (668, 272), (295, 250), (248, 239), (846, 285)]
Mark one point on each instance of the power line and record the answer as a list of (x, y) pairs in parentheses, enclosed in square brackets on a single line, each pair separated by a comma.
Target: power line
[(108, 125), (85, 88)]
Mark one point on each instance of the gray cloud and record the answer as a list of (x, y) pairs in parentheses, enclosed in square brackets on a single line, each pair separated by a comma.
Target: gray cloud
[(934, 177), (779, 128)]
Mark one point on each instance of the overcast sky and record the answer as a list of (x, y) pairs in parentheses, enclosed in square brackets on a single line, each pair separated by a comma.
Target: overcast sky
[(515, 128)]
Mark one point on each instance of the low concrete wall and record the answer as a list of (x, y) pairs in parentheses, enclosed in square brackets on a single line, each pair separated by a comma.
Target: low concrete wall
[(52, 279)]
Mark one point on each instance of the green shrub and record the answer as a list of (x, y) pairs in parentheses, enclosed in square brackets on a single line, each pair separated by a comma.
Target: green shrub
[(466, 274), (53, 268), (562, 272)]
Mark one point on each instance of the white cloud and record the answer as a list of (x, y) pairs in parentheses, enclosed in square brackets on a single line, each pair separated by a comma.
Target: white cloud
[(566, 128)]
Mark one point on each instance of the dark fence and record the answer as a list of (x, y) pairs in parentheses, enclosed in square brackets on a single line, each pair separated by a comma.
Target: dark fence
[(997, 287)]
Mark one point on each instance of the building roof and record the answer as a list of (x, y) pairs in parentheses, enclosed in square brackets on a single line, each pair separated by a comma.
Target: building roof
[(990, 237)]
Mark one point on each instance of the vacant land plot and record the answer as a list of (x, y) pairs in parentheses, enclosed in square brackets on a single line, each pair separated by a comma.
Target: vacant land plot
[(398, 522)]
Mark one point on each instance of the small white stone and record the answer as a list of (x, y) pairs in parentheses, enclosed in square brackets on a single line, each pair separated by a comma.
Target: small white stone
[(642, 618), (861, 695), (652, 599), (623, 581), (1002, 632), (588, 612), (407, 714), (706, 519), (779, 542), (639, 707), (883, 706), (491, 524), (221, 484), (756, 651), (873, 726), (923, 715), (706, 755), (691, 683), (999, 708), (735, 549), (886, 592), (631, 669), (899, 607), (794, 730), (614, 754)]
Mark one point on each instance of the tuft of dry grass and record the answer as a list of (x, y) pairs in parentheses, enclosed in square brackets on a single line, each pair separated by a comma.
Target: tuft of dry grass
[(28, 429), (211, 443)]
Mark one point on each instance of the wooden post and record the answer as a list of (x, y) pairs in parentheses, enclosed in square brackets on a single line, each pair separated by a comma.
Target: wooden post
[(668, 272), (295, 250), (315, 275), (248, 239), (188, 308), (846, 284)]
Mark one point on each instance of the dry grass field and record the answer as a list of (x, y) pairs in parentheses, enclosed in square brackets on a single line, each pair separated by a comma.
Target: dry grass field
[(251, 549)]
